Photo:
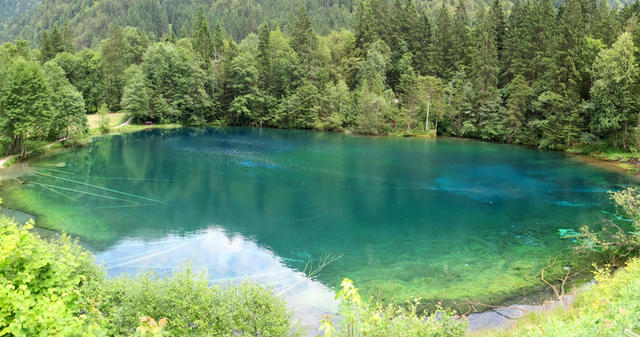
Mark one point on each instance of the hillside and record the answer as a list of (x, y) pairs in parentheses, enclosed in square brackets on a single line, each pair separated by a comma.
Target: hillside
[(12, 9), (90, 20)]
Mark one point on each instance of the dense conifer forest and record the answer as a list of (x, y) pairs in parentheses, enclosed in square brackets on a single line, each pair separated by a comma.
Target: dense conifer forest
[(552, 75)]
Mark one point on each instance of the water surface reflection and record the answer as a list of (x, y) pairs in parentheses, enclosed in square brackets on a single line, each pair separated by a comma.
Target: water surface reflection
[(225, 259)]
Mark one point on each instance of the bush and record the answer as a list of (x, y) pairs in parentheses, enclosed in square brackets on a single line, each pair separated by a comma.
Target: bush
[(40, 285), (191, 306), (616, 242), (361, 319), (55, 289)]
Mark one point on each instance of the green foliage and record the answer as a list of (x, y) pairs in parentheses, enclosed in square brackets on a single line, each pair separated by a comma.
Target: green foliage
[(24, 105), (191, 306), (610, 307), (137, 96), (615, 91), (103, 119), (359, 318), (53, 288), (617, 242), (41, 285), (55, 41)]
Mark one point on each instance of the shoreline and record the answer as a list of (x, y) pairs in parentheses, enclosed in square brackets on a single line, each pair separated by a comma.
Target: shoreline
[(629, 167)]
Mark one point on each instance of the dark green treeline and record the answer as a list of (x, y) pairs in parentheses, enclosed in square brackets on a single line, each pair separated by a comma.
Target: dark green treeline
[(556, 77)]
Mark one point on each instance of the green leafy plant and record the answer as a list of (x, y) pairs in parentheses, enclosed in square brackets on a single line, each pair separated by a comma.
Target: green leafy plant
[(103, 119), (41, 285), (54, 288), (613, 240), (357, 318), (191, 306), (150, 328)]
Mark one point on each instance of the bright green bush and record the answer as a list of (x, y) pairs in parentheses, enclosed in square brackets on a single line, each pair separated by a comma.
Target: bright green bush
[(53, 288), (358, 318), (192, 306), (40, 285)]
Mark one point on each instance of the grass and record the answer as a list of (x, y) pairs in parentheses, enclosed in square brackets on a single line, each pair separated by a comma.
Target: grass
[(115, 119), (628, 161), (609, 308)]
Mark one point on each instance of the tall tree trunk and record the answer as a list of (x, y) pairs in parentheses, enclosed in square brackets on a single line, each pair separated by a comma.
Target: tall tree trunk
[(624, 136), (426, 120)]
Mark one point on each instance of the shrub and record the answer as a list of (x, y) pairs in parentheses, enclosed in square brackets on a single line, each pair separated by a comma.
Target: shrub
[(358, 318), (40, 285), (53, 288), (191, 306), (614, 241)]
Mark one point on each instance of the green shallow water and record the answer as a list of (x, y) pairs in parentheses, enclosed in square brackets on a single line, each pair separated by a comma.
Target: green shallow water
[(438, 219)]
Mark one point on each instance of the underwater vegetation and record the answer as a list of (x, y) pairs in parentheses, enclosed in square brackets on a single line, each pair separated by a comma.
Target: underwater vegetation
[(440, 220)]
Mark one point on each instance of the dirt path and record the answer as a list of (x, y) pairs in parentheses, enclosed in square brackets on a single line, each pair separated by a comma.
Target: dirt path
[(123, 124)]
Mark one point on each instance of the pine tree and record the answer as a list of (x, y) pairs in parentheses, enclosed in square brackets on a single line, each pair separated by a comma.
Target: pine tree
[(201, 36), (442, 45), (484, 65), (423, 52), (114, 66), (55, 41), (519, 95), (497, 20), (460, 36), (303, 39)]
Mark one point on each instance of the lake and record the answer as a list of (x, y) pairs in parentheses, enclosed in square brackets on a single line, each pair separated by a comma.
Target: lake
[(405, 218)]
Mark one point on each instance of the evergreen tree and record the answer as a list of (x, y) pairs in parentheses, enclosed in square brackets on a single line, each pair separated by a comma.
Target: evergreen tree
[(442, 45), (303, 38), (460, 36), (55, 41), (114, 66), (497, 19), (422, 60), (519, 96), (485, 65), (201, 37)]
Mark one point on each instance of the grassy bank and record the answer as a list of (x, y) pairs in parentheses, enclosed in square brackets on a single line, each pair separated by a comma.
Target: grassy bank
[(609, 308)]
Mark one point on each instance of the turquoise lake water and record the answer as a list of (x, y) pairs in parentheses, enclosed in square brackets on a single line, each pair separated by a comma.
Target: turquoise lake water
[(411, 218)]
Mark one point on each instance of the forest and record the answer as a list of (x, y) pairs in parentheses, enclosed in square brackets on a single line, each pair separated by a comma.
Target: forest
[(556, 76)]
